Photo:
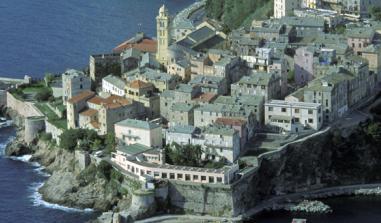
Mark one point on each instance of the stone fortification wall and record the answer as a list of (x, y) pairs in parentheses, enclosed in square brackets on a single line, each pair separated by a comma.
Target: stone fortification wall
[(23, 108), (3, 98), (52, 129), (208, 199), (33, 125)]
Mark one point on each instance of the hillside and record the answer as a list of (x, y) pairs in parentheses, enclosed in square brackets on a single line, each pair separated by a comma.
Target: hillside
[(235, 13)]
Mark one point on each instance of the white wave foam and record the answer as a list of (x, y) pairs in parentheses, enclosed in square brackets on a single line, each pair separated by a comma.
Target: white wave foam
[(37, 200), (4, 144), (41, 171), (24, 158)]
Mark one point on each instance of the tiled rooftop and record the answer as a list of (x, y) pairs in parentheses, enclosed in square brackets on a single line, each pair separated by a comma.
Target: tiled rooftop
[(81, 97), (134, 123)]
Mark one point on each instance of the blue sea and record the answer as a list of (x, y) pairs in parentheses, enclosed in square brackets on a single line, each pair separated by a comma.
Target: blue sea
[(39, 36)]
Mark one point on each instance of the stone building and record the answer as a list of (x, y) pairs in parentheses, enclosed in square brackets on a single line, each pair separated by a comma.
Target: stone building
[(372, 53), (305, 27), (181, 68), (89, 111), (132, 131), (75, 105), (161, 81), (305, 60), (331, 92), (358, 8), (73, 83), (181, 114), (182, 94), (259, 84), (285, 7), (238, 124), (293, 116), (249, 103), (101, 65), (360, 38), (210, 84)]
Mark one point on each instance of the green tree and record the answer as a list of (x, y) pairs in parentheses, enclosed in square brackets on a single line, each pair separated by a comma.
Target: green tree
[(110, 142), (375, 12), (43, 95), (188, 155), (48, 79), (105, 169), (85, 139), (374, 130)]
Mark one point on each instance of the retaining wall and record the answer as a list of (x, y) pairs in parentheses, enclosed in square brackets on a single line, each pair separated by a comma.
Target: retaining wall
[(23, 108), (52, 129)]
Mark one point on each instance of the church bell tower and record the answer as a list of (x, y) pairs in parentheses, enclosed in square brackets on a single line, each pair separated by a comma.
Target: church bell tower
[(162, 21)]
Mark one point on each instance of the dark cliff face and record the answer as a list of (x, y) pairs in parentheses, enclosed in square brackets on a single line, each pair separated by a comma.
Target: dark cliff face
[(322, 161)]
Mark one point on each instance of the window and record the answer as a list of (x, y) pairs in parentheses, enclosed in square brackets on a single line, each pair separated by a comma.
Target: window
[(284, 109), (271, 109), (211, 179), (219, 179), (156, 174), (296, 110), (179, 176), (297, 120), (187, 177), (195, 177), (203, 178), (171, 176), (310, 111), (310, 120), (164, 175)]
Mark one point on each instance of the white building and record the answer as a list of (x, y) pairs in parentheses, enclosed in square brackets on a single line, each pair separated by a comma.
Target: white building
[(217, 142), (114, 85), (132, 131), (293, 116)]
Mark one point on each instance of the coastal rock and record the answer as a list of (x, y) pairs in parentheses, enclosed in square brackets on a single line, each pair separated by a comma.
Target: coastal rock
[(311, 207), (114, 217), (18, 147), (367, 192)]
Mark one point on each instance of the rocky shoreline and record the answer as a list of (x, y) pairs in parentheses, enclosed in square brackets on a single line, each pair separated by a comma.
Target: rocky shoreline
[(64, 186), (311, 207)]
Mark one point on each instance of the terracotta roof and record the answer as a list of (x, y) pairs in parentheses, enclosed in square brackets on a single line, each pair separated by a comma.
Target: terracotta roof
[(145, 45), (89, 112), (97, 100), (81, 97), (137, 84), (115, 101), (206, 97), (230, 121)]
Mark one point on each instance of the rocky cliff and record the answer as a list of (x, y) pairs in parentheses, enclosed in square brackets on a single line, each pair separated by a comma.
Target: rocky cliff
[(327, 160)]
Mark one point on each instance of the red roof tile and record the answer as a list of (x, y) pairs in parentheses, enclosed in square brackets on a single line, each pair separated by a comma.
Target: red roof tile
[(81, 97), (145, 45), (230, 121)]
